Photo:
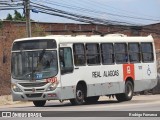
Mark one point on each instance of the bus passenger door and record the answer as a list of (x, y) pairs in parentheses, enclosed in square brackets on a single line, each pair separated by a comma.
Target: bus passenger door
[(66, 68), (66, 63)]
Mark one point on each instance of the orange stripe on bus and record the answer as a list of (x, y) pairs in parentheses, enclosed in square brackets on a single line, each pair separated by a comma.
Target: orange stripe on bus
[(128, 71)]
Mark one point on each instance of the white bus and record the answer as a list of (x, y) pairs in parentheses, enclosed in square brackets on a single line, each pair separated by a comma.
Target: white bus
[(81, 68)]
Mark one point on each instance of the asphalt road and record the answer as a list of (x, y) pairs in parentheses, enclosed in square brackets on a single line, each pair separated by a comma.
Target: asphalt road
[(138, 106)]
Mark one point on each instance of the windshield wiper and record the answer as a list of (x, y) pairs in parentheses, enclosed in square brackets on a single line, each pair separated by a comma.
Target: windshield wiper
[(39, 61), (42, 55)]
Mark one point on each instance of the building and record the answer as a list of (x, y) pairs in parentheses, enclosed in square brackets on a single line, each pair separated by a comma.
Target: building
[(11, 30)]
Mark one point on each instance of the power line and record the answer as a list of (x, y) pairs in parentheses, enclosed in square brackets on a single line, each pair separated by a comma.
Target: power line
[(77, 8), (104, 6), (97, 20), (95, 11), (87, 17), (7, 5), (14, 5), (10, 8), (73, 16)]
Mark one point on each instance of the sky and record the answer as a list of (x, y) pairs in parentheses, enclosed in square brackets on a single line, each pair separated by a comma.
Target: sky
[(137, 12)]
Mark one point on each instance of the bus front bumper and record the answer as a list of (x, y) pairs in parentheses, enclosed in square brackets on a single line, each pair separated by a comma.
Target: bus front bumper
[(31, 96)]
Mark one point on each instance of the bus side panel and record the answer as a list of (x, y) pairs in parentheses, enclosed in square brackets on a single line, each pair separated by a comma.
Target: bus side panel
[(100, 80), (113, 88), (141, 85), (83, 73), (113, 79), (68, 86), (148, 77)]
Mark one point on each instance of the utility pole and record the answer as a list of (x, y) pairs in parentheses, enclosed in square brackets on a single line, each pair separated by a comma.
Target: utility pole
[(27, 15)]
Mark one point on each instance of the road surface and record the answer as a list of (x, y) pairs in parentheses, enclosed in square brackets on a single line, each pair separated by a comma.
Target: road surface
[(137, 106)]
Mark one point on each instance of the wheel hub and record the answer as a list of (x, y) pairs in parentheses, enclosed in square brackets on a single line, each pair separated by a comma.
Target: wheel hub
[(79, 94), (129, 90)]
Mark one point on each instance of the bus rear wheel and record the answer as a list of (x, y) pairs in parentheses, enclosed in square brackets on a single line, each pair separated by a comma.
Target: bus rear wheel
[(128, 92), (79, 100), (93, 99), (39, 103)]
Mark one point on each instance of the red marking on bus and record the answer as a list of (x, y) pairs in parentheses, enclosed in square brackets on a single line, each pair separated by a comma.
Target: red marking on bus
[(51, 80), (128, 71)]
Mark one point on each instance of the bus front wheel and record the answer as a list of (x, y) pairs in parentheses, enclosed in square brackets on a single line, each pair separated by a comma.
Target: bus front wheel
[(128, 94), (79, 96), (39, 103)]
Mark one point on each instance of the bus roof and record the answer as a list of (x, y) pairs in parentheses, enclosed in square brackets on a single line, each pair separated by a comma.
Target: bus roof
[(93, 38)]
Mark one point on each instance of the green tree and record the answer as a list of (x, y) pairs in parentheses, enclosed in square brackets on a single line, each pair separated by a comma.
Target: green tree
[(9, 17), (18, 16)]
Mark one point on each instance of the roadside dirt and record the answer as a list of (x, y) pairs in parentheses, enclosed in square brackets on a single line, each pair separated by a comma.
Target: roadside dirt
[(7, 100)]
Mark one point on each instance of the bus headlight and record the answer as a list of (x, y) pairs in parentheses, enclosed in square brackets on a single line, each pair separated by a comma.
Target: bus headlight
[(15, 88), (52, 87)]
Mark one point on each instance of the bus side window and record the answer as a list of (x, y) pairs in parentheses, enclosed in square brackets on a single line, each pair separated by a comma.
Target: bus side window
[(121, 55), (79, 54), (93, 54), (147, 52), (107, 53), (66, 63), (134, 52)]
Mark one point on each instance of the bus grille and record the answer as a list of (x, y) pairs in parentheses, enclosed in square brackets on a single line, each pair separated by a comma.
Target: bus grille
[(37, 90), (34, 95), (36, 84)]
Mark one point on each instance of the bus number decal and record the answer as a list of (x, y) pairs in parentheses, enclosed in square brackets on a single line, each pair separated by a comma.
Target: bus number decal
[(51, 80), (128, 71)]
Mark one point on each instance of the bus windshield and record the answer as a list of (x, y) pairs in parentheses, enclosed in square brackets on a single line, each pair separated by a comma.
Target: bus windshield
[(34, 59), (34, 65)]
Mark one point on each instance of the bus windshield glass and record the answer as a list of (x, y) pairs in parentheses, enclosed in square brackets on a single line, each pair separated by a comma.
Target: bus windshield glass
[(34, 64)]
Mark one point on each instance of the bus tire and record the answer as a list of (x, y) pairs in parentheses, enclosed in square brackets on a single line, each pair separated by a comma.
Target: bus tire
[(80, 94), (93, 99), (39, 103), (128, 92)]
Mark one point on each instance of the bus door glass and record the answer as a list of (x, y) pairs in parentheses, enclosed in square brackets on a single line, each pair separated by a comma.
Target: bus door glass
[(66, 62)]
